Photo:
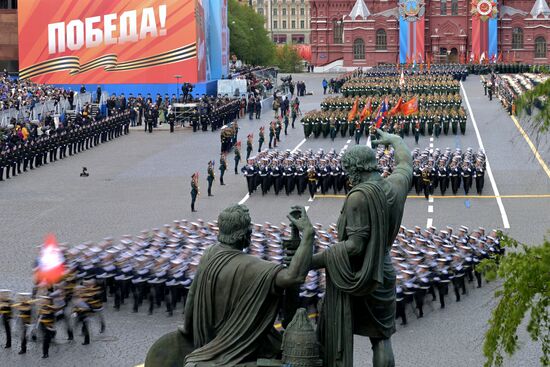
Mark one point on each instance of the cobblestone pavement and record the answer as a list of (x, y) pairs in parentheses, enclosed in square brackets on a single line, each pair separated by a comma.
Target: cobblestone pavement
[(143, 181)]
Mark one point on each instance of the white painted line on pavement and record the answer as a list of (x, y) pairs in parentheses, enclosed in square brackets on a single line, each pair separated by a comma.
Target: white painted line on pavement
[(431, 145), (349, 141), (503, 214), (298, 146), (243, 200), (368, 141), (345, 147), (431, 139), (430, 199), (306, 208), (430, 208), (429, 223)]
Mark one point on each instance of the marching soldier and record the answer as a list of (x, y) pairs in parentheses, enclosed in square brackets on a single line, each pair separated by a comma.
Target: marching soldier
[(250, 174), (312, 180), (24, 316), (467, 175), (427, 181), (46, 322), (6, 314), (479, 176)]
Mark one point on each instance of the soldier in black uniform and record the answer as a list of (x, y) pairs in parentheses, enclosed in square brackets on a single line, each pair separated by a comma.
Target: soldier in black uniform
[(250, 173), (237, 157), (479, 176), (23, 306), (171, 117), (46, 321), (427, 181), (467, 175)]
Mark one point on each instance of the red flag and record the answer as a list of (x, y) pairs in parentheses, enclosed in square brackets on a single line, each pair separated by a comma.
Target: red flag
[(499, 59), (397, 107), (367, 110), (51, 263), (410, 107), (353, 112), (429, 63)]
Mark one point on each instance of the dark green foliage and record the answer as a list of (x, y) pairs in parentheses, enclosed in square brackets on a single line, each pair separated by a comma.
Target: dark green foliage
[(525, 271), (538, 97), (248, 39)]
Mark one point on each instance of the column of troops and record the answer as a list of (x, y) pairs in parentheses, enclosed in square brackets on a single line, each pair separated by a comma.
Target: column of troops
[(438, 98), (284, 171), (158, 267), (47, 148), (457, 71), (215, 114), (394, 85), (433, 168)]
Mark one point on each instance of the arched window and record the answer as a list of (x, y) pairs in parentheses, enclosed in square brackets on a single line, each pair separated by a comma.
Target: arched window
[(381, 41), (454, 7), (540, 47), (359, 49), (443, 10), (338, 29), (517, 38)]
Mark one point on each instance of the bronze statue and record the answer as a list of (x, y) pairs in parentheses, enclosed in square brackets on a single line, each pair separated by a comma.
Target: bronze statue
[(234, 299), (360, 284)]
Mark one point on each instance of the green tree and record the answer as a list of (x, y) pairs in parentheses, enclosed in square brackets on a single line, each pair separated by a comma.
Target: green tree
[(287, 59), (248, 39), (525, 291), (536, 104)]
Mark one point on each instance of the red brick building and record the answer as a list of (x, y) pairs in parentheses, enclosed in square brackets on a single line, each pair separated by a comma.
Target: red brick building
[(366, 32), (9, 52)]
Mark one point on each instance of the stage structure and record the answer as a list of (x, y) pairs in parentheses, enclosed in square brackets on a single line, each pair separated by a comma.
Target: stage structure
[(127, 46)]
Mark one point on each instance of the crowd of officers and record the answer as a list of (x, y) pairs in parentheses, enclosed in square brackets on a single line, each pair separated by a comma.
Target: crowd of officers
[(433, 169), (213, 113), (457, 71), (157, 267), (16, 156)]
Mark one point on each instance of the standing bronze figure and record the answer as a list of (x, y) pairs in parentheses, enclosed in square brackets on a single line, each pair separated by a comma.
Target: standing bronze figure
[(360, 284)]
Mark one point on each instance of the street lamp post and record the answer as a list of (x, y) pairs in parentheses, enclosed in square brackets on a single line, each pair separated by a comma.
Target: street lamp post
[(178, 77)]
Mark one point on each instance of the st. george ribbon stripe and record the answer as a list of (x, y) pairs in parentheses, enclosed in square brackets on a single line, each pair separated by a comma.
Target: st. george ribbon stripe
[(109, 62)]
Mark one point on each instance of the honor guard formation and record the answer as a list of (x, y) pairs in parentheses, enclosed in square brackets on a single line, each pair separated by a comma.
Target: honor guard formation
[(322, 172), (157, 268), (427, 102), (23, 147)]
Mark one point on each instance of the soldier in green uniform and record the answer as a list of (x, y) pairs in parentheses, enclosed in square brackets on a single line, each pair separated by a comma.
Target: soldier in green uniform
[(249, 147), (237, 156), (194, 190), (223, 168), (210, 177), (261, 138)]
